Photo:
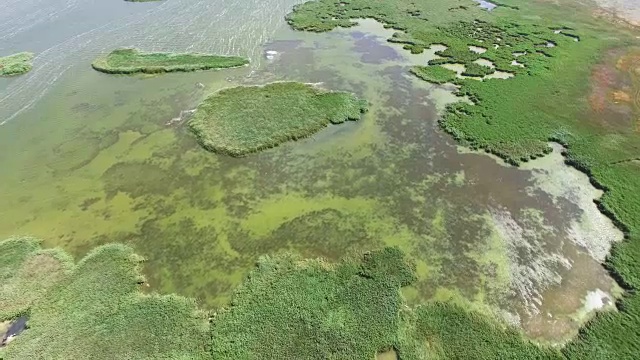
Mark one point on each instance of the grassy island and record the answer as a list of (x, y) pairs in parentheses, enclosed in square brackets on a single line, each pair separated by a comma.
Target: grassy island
[(556, 94), (16, 64), (246, 119), (131, 61)]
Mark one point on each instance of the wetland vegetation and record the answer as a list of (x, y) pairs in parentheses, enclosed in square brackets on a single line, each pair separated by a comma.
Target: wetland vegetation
[(94, 308), (288, 307), (542, 104), (16, 64), (246, 119), (204, 219), (131, 61)]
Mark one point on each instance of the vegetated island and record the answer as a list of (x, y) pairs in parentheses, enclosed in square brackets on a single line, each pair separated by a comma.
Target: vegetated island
[(131, 61), (16, 64), (245, 119), (288, 308), (553, 96)]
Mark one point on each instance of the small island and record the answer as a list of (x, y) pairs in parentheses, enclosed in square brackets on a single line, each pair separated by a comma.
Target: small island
[(246, 119), (131, 61), (16, 64)]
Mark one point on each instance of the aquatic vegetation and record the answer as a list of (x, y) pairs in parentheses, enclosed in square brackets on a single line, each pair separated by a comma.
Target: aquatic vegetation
[(477, 70), (288, 307), (515, 119), (16, 64), (95, 309), (309, 309), (434, 74), (27, 273), (131, 61), (247, 119)]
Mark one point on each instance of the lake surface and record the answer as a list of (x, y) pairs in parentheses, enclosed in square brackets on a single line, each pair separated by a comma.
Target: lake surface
[(89, 158)]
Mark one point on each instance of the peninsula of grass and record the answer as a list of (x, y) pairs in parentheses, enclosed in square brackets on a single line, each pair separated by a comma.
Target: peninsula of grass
[(93, 309), (131, 61), (16, 64), (246, 119), (434, 74), (546, 100)]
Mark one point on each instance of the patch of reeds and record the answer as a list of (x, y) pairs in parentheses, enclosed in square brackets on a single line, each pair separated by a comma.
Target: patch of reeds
[(246, 119), (131, 61)]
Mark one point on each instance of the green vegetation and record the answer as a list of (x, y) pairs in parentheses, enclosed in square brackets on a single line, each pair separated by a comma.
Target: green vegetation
[(434, 74), (291, 308), (247, 119), (93, 310), (16, 64), (288, 308), (131, 61), (477, 70), (515, 118)]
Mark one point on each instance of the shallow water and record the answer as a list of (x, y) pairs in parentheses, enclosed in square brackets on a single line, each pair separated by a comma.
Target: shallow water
[(628, 10), (93, 160), (487, 5)]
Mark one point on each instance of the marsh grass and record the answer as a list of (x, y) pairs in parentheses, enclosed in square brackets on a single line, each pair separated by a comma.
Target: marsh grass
[(131, 61), (94, 310), (16, 64), (242, 120), (290, 308), (434, 74)]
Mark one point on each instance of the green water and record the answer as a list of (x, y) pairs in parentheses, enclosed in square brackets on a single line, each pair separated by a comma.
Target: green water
[(97, 159)]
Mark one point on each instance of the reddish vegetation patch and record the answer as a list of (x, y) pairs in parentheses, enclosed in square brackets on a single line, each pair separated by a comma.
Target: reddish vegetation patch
[(603, 78), (615, 90)]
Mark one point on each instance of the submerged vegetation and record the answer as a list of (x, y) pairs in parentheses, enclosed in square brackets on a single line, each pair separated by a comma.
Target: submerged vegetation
[(131, 61), (16, 64), (515, 118), (93, 309), (246, 119)]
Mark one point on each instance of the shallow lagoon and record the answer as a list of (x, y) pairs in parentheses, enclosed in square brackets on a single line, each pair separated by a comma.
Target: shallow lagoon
[(94, 161)]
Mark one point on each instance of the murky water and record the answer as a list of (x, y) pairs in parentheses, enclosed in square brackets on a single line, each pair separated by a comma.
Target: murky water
[(96, 158)]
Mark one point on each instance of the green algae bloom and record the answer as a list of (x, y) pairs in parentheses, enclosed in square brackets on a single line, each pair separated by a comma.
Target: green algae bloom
[(131, 61), (247, 119)]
